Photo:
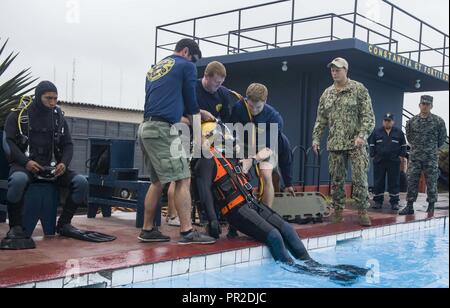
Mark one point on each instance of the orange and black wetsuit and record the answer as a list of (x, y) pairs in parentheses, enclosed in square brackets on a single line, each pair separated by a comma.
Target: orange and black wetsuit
[(220, 190)]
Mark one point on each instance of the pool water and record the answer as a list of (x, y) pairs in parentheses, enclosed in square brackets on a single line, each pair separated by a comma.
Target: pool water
[(410, 260)]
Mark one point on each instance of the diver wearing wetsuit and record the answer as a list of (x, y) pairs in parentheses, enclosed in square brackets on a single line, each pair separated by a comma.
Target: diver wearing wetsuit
[(255, 220), (222, 185), (39, 147)]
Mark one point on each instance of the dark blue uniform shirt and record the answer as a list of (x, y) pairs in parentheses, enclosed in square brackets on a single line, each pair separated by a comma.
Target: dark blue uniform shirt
[(218, 104), (387, 147), (171, 90), (267, 116)]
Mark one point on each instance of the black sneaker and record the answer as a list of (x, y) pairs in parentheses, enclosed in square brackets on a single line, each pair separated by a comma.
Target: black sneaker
[(153, 236), (196, 238), (377, 206), (395, 207), (431, 207), (408, 210)]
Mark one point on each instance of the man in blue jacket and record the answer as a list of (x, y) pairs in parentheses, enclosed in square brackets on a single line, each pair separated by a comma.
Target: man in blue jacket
[(254, 109), (387, 147)]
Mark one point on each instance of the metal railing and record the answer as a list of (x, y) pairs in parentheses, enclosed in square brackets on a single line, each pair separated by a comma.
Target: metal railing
[(396, 41)]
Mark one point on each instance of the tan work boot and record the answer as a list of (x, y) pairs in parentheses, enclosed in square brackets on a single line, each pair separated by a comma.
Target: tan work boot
[(364, 219), (338, 216)]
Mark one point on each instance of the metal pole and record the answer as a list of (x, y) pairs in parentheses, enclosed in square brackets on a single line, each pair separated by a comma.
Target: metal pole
[(354, 18), (305, 163), (332, 27), (292, 22), (156, 45), (420, 42), (443, 62), (73, 80), (391, 28), (239, 32), (195, 29), (276, 36)]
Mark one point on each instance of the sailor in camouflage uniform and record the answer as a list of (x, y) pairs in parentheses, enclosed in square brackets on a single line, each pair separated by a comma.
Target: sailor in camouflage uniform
[(426, 134), (346, 109)]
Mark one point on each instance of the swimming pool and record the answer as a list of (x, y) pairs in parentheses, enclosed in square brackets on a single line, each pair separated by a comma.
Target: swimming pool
[(410, 260)]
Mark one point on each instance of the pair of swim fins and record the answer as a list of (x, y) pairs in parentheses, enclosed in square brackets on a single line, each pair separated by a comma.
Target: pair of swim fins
[(344, 274), (83, 235), (355, 270), (16, 238)]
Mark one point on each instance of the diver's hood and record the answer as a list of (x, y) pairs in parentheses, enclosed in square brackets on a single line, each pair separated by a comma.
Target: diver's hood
[(43, 87)]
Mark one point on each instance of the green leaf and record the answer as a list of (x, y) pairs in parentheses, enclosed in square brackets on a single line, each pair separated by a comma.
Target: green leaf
[(14, 88)]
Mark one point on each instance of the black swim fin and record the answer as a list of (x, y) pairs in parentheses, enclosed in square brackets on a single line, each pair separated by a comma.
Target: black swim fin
[(359, 271), (339, 277), (355, 270), (17, 240), (82, 235)]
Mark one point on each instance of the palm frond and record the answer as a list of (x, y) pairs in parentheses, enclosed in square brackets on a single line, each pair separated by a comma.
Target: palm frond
[(15, 87)]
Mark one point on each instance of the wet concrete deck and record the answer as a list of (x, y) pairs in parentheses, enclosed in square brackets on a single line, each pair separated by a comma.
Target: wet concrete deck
[(50, 259)]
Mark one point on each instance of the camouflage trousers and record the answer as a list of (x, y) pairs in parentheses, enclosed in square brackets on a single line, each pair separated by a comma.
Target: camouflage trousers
[(339, 162), (430, 169)]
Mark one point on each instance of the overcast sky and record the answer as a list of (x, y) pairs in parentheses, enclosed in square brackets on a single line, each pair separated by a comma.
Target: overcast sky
[(113, 40)]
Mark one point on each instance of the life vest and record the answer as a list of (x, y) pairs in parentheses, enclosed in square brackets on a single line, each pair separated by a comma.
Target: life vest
[(230, 186)]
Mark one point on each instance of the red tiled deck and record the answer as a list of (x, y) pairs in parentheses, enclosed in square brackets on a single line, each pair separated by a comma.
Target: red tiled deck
[(49, 260)]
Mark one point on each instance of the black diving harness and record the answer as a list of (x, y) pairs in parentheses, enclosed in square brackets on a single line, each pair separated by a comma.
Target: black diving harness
[(25, 102), (247, 190)]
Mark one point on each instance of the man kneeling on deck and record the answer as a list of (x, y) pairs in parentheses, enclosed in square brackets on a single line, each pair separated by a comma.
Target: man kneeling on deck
[(222, 183), (39, 147)]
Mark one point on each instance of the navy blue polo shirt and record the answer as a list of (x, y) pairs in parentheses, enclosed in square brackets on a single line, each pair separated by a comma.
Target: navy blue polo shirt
[(170, 89), (267, 116), (218, 104), (387, 147)]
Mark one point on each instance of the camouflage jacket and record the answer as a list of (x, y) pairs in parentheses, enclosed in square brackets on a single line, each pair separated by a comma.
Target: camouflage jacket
[(426, 136), (347, 113)]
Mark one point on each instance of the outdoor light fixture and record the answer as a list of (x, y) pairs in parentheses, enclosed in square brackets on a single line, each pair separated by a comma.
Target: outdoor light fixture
[(381, 72), (418, 84), (125, 194), (285, 67)]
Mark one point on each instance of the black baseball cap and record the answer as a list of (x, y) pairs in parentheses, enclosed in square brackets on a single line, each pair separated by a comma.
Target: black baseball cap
[(389, 116)]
